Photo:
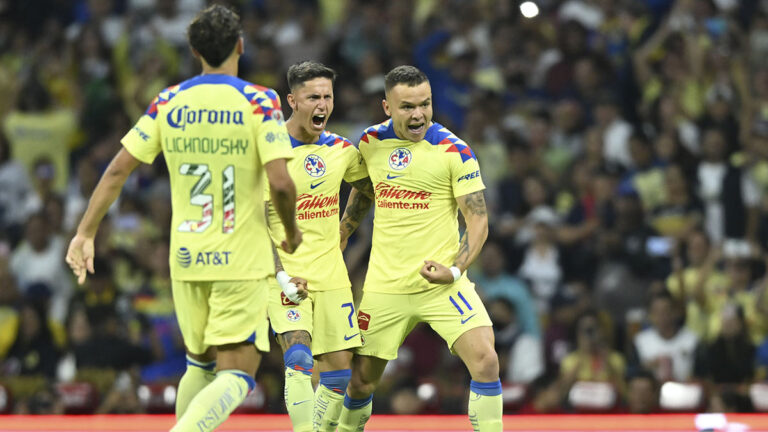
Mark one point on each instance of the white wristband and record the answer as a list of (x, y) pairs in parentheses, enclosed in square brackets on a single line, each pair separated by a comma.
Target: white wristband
[(282, 278), (456, 273)]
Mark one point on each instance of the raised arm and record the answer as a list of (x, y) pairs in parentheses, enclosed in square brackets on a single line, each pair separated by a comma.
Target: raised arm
[(81, 250), (473, 209), (359, 203), (282, 193)]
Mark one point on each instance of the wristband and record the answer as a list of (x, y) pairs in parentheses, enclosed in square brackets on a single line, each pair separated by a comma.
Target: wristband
[(456, 273), (282, 278)]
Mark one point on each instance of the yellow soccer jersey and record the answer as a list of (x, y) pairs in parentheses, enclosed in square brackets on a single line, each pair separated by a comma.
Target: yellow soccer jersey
[(216, 133), (317, 171), (416, 185)]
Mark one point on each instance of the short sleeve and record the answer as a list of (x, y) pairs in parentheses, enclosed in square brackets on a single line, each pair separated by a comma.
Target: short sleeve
[(356, 167), (465, 173), (272, 141), (143, 140)]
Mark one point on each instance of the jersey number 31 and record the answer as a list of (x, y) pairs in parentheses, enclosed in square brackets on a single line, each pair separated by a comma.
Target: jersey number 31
[(198, 198)]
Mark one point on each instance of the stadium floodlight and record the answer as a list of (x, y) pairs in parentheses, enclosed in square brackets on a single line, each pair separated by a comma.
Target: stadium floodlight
[(529, 9)]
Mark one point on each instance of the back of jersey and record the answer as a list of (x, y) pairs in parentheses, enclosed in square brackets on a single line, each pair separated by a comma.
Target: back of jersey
[(216, 133)]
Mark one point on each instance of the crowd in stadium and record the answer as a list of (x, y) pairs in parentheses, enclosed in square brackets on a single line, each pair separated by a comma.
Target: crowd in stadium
[(624, 146)]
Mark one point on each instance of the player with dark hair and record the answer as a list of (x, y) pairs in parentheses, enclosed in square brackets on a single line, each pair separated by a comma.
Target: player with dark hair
[(422, 175), (218, 135), (325, 320)]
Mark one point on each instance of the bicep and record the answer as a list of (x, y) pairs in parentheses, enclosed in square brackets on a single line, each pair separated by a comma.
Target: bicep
[(472, 205), (122, 164)]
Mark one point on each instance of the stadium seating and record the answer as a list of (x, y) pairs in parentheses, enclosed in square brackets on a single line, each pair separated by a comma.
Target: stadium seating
[(681, 397), (590, 396)]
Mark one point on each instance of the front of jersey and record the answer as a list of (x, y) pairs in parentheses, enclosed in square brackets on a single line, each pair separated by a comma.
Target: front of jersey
[(216, 132), (416, 186), (317, 170)]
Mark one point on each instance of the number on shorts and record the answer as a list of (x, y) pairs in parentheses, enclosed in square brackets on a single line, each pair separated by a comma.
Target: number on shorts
[(351, 312), (198, 198), (461, 311)]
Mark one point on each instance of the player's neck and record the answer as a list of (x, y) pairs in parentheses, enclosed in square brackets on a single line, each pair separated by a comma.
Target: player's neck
[(229, 67), (299, 133)]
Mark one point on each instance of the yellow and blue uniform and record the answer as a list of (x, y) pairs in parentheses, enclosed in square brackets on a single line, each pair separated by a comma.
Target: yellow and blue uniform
[(317, 170), (416, 186), (216, 132)]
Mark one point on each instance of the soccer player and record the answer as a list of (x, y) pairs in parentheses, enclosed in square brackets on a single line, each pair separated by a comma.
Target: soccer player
[(218, 134), (422, 174), (326, 320)]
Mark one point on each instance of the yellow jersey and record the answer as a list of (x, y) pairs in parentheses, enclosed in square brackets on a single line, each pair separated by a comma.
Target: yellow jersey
[(216, 132), (317, 170), (415, 219)]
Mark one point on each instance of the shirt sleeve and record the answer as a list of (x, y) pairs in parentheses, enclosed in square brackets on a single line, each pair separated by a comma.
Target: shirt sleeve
[(272, 141), (465, 173), (356, 168), (143, 140)]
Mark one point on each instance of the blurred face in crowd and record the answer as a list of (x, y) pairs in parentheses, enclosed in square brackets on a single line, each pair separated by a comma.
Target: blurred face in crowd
[(739, 272), (662, 315), (312, 105), (698, 248), (714, 146), (79, 329), (641, 395), (675, 181), (665, 147), (733, 323), (534, 192), (492, 259), (410, 109), (640, 152), (501, 314), (36, 233), (588, 336)]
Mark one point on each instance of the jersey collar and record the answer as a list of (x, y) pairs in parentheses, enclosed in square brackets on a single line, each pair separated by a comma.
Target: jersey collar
[(322, 141)]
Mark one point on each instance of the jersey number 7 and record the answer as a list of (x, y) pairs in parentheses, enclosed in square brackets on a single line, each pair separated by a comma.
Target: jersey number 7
[(198, 198)]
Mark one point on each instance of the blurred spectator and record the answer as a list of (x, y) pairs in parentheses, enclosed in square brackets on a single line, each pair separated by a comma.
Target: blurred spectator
[(34, 352), (15, 192), (730, 358), (37, 128), (40, 258), (642, 393), (541, 260), (593, 359), (495, 282), (680, 212), (666, 348), (520, 354)]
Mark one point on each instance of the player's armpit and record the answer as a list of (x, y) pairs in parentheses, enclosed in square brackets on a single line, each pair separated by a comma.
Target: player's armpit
[(475, 214)]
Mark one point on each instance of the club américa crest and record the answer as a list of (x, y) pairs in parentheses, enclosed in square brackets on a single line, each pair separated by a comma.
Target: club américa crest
[(293, 315), (314, 165), (400, 158)]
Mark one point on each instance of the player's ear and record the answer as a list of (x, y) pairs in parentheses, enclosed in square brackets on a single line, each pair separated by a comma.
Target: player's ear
[(291, 101), (240, 46), (385, 105)]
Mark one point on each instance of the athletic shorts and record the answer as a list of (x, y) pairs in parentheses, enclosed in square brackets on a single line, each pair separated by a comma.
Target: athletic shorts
[(223, 312), (386, 319), (328, 316)]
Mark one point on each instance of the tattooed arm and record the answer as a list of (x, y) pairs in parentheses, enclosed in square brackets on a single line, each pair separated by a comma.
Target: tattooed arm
[(473, 209), (360, 200)]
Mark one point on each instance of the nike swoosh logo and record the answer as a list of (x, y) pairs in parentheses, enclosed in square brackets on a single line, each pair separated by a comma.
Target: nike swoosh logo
[(312, 186), (390, 176), (299, 403), (468, 318), (346, 338)]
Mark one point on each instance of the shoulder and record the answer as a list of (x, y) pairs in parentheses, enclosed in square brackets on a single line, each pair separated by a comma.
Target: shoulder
[(439, 135), (163, 98), (335, 141), (378, 132)]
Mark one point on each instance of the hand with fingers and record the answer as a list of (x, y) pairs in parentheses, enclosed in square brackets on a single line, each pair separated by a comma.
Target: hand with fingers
[(80, 257), (294, 288), (437, 273)]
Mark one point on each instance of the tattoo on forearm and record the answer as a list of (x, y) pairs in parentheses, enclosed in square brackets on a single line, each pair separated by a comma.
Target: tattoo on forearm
[(463, 256), (364, 186), (475, 203), (359, 205), (292, 338)]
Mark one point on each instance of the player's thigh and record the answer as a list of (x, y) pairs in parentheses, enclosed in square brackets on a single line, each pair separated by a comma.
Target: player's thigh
[(190, 300), (237, 313), (335, 321), (453, 310), (384, 321), (286, 316)]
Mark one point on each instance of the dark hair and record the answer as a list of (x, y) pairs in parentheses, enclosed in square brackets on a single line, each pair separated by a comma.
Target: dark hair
[(300, 73), (408, 75), (214, 33)]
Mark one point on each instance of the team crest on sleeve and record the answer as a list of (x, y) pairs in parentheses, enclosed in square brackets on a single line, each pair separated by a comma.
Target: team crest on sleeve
[(293, 315), (314, 165), (400, 158), (277, 116)]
